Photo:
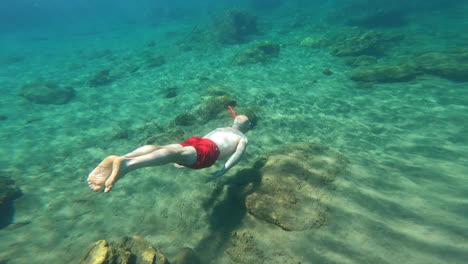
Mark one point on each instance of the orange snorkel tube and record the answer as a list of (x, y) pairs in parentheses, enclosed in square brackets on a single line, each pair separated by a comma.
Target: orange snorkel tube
[(233, 113)]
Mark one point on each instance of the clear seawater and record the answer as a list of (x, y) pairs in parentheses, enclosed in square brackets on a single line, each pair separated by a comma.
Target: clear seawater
[(403, 198)]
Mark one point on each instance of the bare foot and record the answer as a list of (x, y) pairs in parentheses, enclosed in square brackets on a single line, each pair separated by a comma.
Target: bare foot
[(118, 170), (99, 175)]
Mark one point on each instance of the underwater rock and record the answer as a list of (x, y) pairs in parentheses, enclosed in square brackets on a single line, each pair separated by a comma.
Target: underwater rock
[(206, 111), (234, 26), (384, 73), (185, 119), (363, 60), (100, 78), (292, 193), (186, 256), (260, 52), (155, 61), (451, 65), (131, 250), (8, 193), (46, 93), (327, 71), (358, 43), (242, 249), (142, 251), (101, 252), (315, 42), (170, 92)]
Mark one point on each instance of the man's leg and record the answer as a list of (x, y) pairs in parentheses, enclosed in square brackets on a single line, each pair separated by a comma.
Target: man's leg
[(142, 151), (114, 167)]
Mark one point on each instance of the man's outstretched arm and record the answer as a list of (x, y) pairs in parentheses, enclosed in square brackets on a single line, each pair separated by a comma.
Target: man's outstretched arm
[(232, 161)]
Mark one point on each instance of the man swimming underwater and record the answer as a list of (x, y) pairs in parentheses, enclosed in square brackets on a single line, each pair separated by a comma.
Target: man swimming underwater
[(195, 153)]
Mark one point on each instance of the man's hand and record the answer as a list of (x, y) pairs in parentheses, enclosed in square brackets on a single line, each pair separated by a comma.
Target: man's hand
[(216, 174)]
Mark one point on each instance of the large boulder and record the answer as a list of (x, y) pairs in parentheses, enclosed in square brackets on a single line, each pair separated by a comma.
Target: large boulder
[(293, 193), (451, 65), (130, 250), (46, 93)]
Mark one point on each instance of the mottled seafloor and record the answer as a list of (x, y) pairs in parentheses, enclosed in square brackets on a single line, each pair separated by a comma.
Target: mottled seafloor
[(403, 198)]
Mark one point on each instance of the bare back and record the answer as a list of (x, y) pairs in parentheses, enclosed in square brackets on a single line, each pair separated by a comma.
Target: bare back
[(227, 139)]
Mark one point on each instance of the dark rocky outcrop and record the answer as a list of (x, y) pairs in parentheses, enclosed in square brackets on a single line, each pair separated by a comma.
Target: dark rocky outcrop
[(293, 191), (8, 192), (206, 111), (452, 65), (100, 78), (46, 93), (130, 250), (260, 52)]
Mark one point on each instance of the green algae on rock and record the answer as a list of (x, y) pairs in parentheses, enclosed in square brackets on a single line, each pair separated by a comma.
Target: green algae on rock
[(292, 193), (260, 52), (206, 111), (451, 65)]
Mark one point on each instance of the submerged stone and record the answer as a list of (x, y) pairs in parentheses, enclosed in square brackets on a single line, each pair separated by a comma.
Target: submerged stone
[(131, 250), (260, 52), (8, 192), (292, 192), (100, 78), (206, 111), (46, 93), (451, 65)]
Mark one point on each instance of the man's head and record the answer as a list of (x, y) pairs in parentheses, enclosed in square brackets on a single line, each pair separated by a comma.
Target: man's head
[(242, 123)]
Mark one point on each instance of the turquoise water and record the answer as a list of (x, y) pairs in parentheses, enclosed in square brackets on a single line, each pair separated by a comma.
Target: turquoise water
[(134, 68)]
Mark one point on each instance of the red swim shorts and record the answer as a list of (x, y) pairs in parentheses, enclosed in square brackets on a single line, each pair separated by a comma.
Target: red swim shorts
[(207, 152)]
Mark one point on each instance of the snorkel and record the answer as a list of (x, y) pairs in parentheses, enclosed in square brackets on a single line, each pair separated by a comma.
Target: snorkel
[(233, 113), (241, 122)]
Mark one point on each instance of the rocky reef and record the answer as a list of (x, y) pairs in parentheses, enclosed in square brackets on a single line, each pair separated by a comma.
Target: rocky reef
[(46, 93)]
